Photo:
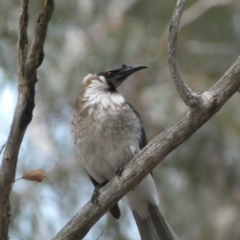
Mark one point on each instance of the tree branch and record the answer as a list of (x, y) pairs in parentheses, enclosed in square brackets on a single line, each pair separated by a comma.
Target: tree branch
[(202, 108), (27, 78), (22, 40), (190, 98)]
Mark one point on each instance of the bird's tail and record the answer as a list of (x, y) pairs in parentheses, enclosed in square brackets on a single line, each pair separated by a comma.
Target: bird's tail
[(154, 227)]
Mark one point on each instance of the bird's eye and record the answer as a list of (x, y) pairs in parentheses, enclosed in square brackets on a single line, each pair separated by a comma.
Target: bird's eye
[(110, 74)]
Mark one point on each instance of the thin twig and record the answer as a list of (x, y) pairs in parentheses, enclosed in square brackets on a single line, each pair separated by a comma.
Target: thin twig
[(22, 41), (35, 56), (190, 98)]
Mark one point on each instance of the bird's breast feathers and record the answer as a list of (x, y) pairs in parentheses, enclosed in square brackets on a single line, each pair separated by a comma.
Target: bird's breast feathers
[(96, 92)]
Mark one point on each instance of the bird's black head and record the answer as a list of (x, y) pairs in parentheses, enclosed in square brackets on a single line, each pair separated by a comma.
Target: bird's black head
[(115, 77)]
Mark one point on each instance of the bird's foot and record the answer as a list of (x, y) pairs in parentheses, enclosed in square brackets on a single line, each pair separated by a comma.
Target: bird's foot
[(119, 172), (96, 193)]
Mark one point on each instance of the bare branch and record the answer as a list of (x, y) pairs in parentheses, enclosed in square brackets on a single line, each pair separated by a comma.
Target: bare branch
[(27, 72), (22, 40), (190, 98), (36, 55)]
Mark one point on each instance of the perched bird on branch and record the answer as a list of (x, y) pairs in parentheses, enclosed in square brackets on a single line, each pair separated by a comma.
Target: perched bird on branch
[(107, 133)]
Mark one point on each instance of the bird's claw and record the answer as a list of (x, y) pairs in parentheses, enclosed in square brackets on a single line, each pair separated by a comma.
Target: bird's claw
[(95, 195), (119, 172)]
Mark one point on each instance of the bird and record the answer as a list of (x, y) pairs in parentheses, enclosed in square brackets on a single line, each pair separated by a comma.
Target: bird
[(108, 132)]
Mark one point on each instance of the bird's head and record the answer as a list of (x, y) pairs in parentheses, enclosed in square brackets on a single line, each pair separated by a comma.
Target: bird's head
[(115, 77), (100, 89)]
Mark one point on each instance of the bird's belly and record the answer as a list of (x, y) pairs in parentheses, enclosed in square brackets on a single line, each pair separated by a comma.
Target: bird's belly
[(99, 169), (103, 149)]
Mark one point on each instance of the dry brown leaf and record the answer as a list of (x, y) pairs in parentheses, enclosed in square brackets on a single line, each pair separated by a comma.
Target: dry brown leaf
[(35, 175)]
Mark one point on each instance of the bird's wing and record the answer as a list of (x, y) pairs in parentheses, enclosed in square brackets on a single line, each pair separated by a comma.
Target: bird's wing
[(143, 140), (154, 226)]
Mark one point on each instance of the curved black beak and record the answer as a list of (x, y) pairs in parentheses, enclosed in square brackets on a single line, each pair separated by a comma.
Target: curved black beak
[(126, 71), (116, 76)]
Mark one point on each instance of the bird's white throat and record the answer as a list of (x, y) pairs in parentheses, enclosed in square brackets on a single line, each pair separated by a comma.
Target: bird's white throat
[(97, 93)]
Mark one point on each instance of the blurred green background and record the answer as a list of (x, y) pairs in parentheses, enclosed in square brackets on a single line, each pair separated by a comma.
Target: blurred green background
[(198, 183)]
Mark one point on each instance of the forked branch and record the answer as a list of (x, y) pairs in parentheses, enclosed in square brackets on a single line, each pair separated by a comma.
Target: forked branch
[(28, 62)]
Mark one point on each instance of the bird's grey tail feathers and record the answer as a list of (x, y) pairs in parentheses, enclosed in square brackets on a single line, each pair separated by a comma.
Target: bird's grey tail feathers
[(155, 226)]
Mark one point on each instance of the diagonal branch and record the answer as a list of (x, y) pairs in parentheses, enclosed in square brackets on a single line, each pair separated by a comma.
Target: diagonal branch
[(27, 78)]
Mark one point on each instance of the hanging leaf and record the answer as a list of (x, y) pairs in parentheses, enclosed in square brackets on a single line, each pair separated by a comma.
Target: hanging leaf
[(35, 175)]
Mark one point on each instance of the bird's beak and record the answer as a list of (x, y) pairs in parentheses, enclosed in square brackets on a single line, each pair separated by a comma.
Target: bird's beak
[(120, 74), (128, 70)]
